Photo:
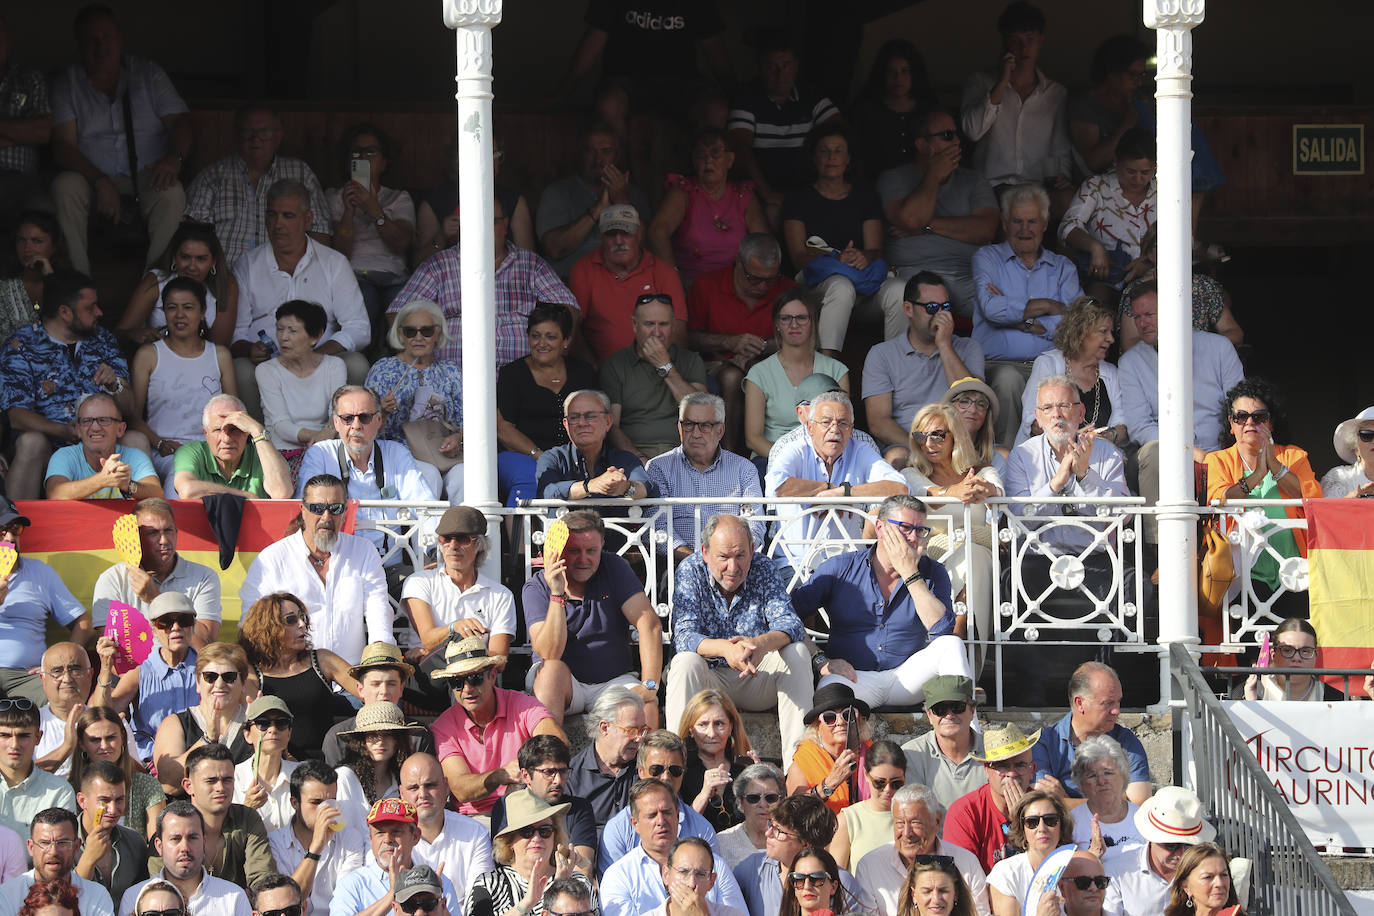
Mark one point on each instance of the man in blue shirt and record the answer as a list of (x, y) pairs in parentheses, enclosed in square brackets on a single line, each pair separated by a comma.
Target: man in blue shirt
[(663, 757), (1021, 291), (891, 618), (586, 467), (98, 467), (734, 630), (1095, 704)]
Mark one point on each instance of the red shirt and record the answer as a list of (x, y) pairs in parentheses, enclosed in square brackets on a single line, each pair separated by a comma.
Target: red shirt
[(608, 304), (716, 309), (974, 823)]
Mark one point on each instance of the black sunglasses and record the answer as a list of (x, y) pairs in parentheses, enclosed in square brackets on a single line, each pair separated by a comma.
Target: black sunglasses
[(294, 910), (426, 332), (282, 723), (167, 621), (363, 418), (880, 784), (1083, 882), (929, 859), (322, 508), (417, 904), (949, 708), (174, 911), (544, 830), (654, 297), (290, 620), (1366, 435), (476, 679), (753, 798), (212, 676), (934, 308), (674, 770), (1239, 417), (799, 878), (1033, 820)]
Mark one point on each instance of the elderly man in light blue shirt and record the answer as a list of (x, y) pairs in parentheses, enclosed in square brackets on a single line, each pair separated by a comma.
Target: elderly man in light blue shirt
[(1216, 368), (1022, 291), (634, 884), (828, 462)]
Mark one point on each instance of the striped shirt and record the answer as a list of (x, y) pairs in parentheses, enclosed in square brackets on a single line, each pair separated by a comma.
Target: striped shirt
[(780, 132), (522, 280), (223, 195), (677, 478), (23, 94)]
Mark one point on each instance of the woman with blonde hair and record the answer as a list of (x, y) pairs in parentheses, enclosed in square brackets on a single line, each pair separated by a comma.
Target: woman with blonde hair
[(221, 682), (717, 752), (1080, 351), (977, 405), (100, 735), (530, 851), (826, 760), (946, 465)]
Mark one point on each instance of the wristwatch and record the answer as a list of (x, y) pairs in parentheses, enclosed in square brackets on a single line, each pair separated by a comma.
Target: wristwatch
[(664, 369), (380, 221), (819, 661), (652, 685), (822, 791)]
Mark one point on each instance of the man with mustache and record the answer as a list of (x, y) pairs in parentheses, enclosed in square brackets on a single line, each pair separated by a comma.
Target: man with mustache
[(180, 842), (54, 846), (337, 576), (608, 281)]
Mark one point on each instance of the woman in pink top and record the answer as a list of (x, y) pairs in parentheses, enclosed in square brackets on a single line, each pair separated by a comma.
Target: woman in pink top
[(702, 220)]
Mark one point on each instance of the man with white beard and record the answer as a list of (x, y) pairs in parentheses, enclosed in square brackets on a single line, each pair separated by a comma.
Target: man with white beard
[(338, 577)]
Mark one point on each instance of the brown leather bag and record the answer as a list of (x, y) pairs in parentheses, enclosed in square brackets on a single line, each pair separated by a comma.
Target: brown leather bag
[(1217, 570)]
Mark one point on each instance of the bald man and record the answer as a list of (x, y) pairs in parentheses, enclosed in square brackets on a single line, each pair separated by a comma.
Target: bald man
[(66, 678), (1082, 887), (453, 844)]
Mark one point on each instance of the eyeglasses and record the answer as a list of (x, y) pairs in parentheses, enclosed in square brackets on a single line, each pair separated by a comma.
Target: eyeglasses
[(1033, 820), (1307, 653), (1083, 882), (817, 878), (414, 905), (459, 540), (23, 704), (921, 531), (794, 319), (923, 858), (1062, 407), (45, 845), (934, 308), (322, 508), (364, 152), (72, 672), (768, 798), (882, 785), (1366, 435), (476, 679), (588, 417), (633, 732), (1006, 766), (935, 435), (280, 723), (1174, 848), (293, 910), (167, 621), (691, 874), (174, 911), (672, 769), (426, 331), (290, 620), (973, 401), (777, 831), (835, 716), (363, 418), (833, 423), (544, 830), (212, 676), (552, 772), (757, 281), (1240, 417), (942, 134), (102, 422), (949, 708), (706, 426)]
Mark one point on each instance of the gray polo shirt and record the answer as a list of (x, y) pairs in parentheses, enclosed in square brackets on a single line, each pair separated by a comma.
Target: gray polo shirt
[(912, 378), (927, 766), (197, 582), (963, 192)]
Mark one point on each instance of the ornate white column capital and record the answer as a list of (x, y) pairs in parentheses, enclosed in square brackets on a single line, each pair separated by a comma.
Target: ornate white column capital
[(460, 14), (1174, 14)]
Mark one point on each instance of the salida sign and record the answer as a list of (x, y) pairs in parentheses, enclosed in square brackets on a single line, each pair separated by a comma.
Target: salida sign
[(1320, 758), (1328, 149)]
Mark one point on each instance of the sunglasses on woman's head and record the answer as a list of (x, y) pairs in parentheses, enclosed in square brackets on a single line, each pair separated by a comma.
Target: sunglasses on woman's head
[(1033, 820), (931, 859), (174, 911), (1239, 417), (426, 331), (544, 830), (673, 769), (1083, 882), (753, 798), (212, 676)]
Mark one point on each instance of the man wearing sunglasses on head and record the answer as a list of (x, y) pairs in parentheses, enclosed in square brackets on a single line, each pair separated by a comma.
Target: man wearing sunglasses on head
[(337, 576), (371, 890), (917, 817), (944, 758), (916, 368), (886, 658), (1170, 821)]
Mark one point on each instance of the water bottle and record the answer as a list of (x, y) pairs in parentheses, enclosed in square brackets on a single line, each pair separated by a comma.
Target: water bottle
[(269, 343)]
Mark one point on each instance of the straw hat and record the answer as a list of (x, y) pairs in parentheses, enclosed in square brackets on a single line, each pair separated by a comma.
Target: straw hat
[(1173, 815), (465, 657), (523, 808), (381, 716), (1002, 742), (381, 655), (973, 383)]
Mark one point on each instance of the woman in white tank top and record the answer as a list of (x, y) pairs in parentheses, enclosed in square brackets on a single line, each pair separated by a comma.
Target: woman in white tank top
[(173, 378)]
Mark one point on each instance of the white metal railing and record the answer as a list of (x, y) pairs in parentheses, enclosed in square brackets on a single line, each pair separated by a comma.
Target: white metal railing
[(1250, 604)]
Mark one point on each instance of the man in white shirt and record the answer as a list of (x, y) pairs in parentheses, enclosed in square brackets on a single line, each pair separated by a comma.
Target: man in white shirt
[(1170, 822), (292, 265), (274, 893), (54, 845), (370, 468), (337, 576), (392, 834), (263, 781), (453, 843), (310, 849), (917, 819), (180, 842), (66, 677)]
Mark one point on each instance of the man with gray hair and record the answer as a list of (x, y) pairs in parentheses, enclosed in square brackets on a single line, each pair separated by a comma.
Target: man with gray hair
[(603, 771), (292, 265), (587, 466), (886, 657), (98, 466), (698, 468), (828, 462), (917, 817), (1021, 291), (734, 630), (730, 319), (224, 462)]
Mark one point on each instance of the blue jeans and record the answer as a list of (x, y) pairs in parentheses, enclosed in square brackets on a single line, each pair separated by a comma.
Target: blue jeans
[(515, 476)]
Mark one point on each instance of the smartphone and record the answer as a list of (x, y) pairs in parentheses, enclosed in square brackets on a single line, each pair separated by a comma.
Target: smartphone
[(1265, 653), (361, 172), (852, 742)]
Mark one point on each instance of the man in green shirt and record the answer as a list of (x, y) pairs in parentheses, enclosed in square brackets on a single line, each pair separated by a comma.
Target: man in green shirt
[(224, 463)]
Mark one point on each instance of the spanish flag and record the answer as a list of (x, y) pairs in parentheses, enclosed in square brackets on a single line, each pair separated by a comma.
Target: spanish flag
[(1340, 541), (74, 538)]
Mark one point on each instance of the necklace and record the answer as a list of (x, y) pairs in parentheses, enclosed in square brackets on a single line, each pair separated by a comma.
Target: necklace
[(1096, 392)]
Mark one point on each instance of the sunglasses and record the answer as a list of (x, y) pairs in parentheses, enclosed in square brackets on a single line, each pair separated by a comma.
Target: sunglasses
[(672, 769), (1174, 847), (935, 435), (881, 785), (799, 878), (1083, 882), (23, 704), (293, 910), (476, 679), (290, 620), (949, 708), (322, 508), (1033, 820), (934, 308), (1239, 417), (280, 723), (174, 911), (416, 905), (363, 418), (167, 621), (544, 830), (654, 297), (212, 676), (943, 135), (768, 798), (1366, 435), (931, 859), (835, 717), (427, 331)]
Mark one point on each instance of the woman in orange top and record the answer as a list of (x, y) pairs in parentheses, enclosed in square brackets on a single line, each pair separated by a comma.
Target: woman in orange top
[(826, 758), (1254, 467)]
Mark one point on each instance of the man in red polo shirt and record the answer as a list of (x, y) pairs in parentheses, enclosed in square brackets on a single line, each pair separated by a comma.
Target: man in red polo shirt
[(730, 321), (978, 821), (610, 280)]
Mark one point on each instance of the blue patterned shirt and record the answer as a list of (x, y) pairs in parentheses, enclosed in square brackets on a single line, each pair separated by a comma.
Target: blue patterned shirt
[(442, 378), (760, 606), (46, 377), (676, 477)]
